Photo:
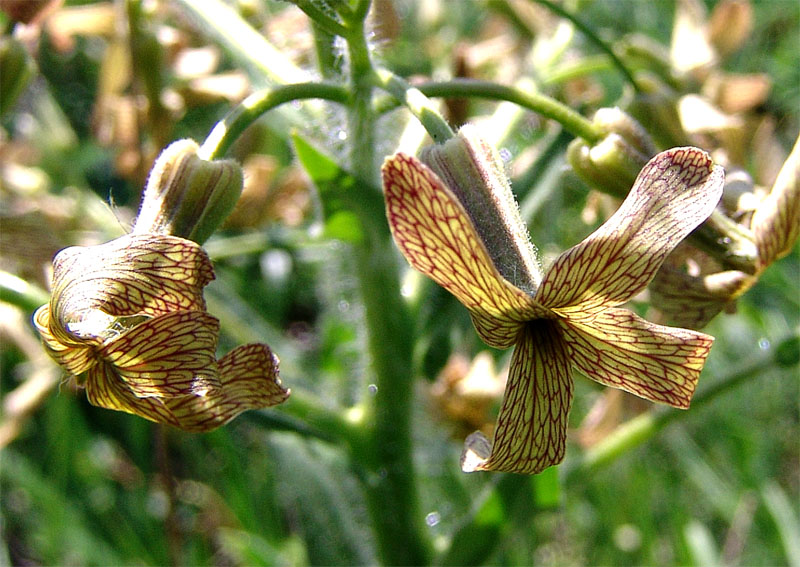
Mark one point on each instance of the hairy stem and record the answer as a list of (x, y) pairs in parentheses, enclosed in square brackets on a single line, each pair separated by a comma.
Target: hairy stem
[(386, 458), (228, 130)]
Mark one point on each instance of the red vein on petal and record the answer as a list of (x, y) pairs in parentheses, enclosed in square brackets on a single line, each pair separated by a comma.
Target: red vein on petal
[(672, 195), (531, 429), (105, 389), (620, 349), (776, 222), (248, 380), (169, 355), (135, 273), (437, 237)]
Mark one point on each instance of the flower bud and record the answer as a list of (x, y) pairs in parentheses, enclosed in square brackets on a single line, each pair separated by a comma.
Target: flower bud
[(657, 106), (186, 195), (475, 173), (615, 121), (610, 165)]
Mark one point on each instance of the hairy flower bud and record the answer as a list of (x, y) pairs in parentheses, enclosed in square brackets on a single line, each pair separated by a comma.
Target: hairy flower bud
[(475, 173), (186, 195)]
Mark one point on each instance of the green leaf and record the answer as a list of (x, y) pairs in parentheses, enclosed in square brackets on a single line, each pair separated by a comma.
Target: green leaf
[(345, 199)]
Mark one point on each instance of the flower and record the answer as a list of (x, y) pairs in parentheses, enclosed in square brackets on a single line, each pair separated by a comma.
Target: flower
[(690, 288), (454, 219), (128, 318)]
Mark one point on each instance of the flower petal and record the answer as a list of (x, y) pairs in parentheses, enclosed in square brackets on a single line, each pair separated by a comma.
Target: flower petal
[(105, 389), (620, 349), (75, 358), (531, 429), (249, 380), (675, 192), (136, 273), (776, 222), (690, 301), (437, 237), (169, 355)]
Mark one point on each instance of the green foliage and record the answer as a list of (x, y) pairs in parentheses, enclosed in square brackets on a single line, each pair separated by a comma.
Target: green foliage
[(360, 466)]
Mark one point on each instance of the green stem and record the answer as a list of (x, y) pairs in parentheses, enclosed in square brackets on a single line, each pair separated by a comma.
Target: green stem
[(589, 33), (645, 426), (417, 103), (537, 102), (321, 18), (586, 66), (361, 119), (254, 106), (386, 457)]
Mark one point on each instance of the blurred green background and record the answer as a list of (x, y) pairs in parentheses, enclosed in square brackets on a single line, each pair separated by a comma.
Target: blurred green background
[(113, 82)]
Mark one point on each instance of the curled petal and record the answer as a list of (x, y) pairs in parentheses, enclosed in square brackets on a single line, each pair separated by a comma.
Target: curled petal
[(105, 389), (675, 192), (776, 222), (690, 301), (74, 357), (248, 378), (531, 429), (620, 349), (136, 273), (437, 237), (169, 355)]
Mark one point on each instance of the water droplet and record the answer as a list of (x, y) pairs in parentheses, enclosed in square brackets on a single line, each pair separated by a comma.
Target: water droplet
[(505, 155), (343, 305), (276, 265), (432, 519), (342, 135), (373, 389), (763, 343)]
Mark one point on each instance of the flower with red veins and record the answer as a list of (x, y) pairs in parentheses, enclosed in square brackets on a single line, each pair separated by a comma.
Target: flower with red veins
[(453, 216), (691, 288), (128, 319)]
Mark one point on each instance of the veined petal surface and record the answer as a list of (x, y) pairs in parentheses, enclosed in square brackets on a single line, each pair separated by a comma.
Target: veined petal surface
[(105, 389), (618, 348), (74, 357), (169, 355), (776, 222), (675, 192), (136, 273), (248, 380), (531, 429), (437, 237)]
